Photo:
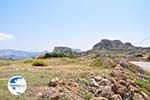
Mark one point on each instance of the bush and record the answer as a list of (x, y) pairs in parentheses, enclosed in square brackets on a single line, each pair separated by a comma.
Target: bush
[(28, 61), (97, 63), (39, 63), (4, 64), (139, 55), (143, 84), (54, 55)]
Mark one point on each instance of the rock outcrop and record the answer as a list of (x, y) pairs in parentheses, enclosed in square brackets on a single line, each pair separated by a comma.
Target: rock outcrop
[(62, 50), (113, 44)]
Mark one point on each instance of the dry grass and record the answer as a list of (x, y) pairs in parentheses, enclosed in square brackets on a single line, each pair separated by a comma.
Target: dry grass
[(63, 68)]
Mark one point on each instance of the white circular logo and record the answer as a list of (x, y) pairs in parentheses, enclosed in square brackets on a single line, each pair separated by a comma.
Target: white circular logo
[(17, 85)]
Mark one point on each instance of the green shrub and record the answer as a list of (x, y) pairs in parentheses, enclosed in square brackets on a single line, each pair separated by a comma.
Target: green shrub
[(28, 61), (139, 55), (4, 64), (54, 55), (87, 96), (97, 63), (143, 84), (39, 63)]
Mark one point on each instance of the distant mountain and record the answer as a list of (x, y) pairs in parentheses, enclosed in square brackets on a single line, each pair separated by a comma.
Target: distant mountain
[(76, 50), (17, 54)]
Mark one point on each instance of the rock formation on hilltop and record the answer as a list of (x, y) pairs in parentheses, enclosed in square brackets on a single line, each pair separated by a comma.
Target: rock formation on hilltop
[(62, 49), (106, 46), (113, 44)]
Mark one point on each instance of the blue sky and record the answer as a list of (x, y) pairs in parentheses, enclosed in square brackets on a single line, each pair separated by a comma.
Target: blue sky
[(36, 25)]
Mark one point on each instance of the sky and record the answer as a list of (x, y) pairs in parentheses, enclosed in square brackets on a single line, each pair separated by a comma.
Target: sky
[(37, 25)]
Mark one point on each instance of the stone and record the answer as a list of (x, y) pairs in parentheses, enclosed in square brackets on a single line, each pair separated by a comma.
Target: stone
[(51, 90), (127, 94), (72, 84), (93, 83), (138, 96), (40, 94), (119, 74), (145, 95), (93, 90), (108, 63), (61, 83), (100, 98), (134, 88), (123, 63), (55, 96), (98, 78), (122, 82), (106, 91), (104, 82), (116, 73), (116, 97), (117, 88), (53, 82)]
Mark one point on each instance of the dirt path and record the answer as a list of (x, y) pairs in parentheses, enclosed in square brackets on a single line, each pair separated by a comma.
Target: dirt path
[(144, 65)]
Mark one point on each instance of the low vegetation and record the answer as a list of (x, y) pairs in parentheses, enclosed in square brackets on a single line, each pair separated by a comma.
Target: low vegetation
[(77, 71), (55, 55), (97, 62), (145, 85), (28, 61), (4, 64), (39, 63)]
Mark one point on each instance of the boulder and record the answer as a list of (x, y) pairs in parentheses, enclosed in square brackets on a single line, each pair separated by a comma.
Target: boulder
[(123, 63), (106, 91), (93, 83), (100, 98), (104, 82), (98, 78), (145, 95), (109, 63), (119, 74), (116, 97), (55, 96), (127, 94), (53, 82)]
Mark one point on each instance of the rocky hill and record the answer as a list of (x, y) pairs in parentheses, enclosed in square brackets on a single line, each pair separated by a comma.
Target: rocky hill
[(116, 46), (61, 49), (113, 44)]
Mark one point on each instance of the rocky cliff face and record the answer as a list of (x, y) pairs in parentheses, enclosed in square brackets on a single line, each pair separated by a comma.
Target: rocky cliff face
[(113, 44), (62, 50), (106, 46)]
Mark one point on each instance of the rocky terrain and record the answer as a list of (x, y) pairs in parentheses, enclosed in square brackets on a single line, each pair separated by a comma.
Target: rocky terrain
[(113, 44), (62, 49), (115, 85), (106, 46), (103, 73)]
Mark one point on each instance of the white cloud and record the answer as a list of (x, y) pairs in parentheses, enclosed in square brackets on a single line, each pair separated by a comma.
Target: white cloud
[(4, 36)]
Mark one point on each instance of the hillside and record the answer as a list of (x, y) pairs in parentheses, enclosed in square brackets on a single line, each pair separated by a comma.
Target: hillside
[(106, 46)]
